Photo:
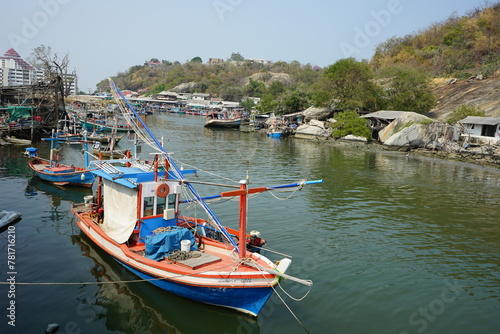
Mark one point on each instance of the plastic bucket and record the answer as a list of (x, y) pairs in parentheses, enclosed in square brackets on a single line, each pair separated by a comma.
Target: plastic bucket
[(88, 200), (186, 245)]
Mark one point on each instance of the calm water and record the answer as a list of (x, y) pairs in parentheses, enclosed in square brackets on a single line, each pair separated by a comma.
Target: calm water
[(394, 244)]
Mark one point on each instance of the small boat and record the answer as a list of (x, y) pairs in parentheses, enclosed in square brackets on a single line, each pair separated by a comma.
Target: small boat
[(223, 119), (103, 138), (275, 133), (17, 141), (135, 217), (107, 151), (53, 171), (7, 217)]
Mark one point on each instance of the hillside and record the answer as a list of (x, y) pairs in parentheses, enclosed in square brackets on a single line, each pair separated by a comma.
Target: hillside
[(484, 94), (459, 47)]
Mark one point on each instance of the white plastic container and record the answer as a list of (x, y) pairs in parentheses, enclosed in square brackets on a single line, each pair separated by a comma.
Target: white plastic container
[(88, 200), (186, 245)]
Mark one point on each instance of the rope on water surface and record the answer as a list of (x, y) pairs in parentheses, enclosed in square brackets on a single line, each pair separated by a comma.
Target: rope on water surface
[(112, 282), (284, 303)]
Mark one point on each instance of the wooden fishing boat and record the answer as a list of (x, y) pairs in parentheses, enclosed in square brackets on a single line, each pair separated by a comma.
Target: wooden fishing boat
[(53, 171), (103, 138), (223, 119), (61, 174), (135, 216)]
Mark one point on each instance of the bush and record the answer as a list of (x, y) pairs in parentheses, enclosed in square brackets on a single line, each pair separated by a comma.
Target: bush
[(349, 123), (463, 111)]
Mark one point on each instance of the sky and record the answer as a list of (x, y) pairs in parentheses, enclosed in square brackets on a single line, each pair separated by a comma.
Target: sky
[(105, 37)]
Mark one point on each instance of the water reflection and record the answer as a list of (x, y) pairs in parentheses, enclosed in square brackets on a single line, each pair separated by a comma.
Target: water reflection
[(143, 308)]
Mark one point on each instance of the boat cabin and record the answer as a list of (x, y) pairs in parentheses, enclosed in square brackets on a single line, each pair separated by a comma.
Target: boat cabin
[(137, 202)]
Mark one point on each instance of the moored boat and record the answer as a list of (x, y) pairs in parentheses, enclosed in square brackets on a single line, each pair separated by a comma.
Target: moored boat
[(223, 119), (135, 216), (60, 174)]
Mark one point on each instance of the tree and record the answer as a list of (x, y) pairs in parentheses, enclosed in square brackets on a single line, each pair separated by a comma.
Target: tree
[(248, 104), (292, 101), (349, 123), (267, 104), (196, 60), (236, 56), (54, 67), (255, 88), (408, 89), (347, 84), (463, 111)]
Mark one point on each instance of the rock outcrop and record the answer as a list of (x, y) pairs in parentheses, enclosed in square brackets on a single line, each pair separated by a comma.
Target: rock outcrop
[(313, 113), (410, 129), (313, 129)]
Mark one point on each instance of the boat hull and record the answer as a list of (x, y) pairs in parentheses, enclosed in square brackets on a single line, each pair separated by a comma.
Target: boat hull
[(223, 123), (246, 300), (65, 175), (245, 292)]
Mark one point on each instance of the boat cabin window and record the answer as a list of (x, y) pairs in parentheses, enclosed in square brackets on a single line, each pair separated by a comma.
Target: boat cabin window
[(171, 201), (154, 205), (148, 206), (160, 204)]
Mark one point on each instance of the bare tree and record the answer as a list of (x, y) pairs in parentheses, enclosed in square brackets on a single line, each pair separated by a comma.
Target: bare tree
[(55, 74)]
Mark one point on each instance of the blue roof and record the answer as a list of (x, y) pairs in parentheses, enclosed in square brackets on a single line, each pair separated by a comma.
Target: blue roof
[(131, 176)]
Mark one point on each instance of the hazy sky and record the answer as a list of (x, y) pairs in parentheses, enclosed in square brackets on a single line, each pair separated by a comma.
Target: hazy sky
[(109, 36)]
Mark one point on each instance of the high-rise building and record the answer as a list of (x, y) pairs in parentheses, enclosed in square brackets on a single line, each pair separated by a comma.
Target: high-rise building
[(14, 71)]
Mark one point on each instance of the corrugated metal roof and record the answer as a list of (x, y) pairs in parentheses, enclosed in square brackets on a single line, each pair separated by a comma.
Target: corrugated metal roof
[(385, 114), (480, 120)]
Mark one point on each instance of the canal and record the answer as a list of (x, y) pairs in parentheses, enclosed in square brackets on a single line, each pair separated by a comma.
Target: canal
[(393, 243)]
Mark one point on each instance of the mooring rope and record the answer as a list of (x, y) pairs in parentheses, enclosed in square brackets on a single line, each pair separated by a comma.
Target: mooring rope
[(114, 282), (283, 301)]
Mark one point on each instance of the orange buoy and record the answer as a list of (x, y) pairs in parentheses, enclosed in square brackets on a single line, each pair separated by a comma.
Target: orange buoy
[(162, 190)]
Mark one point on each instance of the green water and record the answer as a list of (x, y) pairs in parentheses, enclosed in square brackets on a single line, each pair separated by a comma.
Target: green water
[(393, 244)]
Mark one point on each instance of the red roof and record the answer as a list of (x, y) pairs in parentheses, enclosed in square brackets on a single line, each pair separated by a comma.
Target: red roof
[(12, 54)]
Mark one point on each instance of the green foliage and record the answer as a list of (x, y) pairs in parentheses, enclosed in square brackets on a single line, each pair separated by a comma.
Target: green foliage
[(347, 84), (236, 56), (197, 60), (407, 89), (267, 104), (255, 88), (248, 104), (291, 102), (349, 123), (463, 111)]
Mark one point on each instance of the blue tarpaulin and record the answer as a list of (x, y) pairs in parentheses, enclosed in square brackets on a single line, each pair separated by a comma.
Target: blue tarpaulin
[(162, 244)]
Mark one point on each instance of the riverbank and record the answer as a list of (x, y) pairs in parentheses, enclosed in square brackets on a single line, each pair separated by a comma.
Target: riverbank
[(481, 155)]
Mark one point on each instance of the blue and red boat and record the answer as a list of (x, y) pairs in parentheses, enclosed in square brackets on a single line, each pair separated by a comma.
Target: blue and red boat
[(135, 216)]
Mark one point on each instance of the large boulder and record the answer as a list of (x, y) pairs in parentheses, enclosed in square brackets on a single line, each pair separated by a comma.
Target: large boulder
[(316, 113), (414, 136), (313, 129), (409, 129)]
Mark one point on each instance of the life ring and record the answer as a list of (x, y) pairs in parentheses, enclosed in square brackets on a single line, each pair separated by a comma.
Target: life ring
[(162, 190)]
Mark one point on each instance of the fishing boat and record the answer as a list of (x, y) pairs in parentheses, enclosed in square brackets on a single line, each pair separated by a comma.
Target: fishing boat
[(60, 174), (276, 128), (275, 133), (136, 216), (104, 138), (7, 217), (223, 119)]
